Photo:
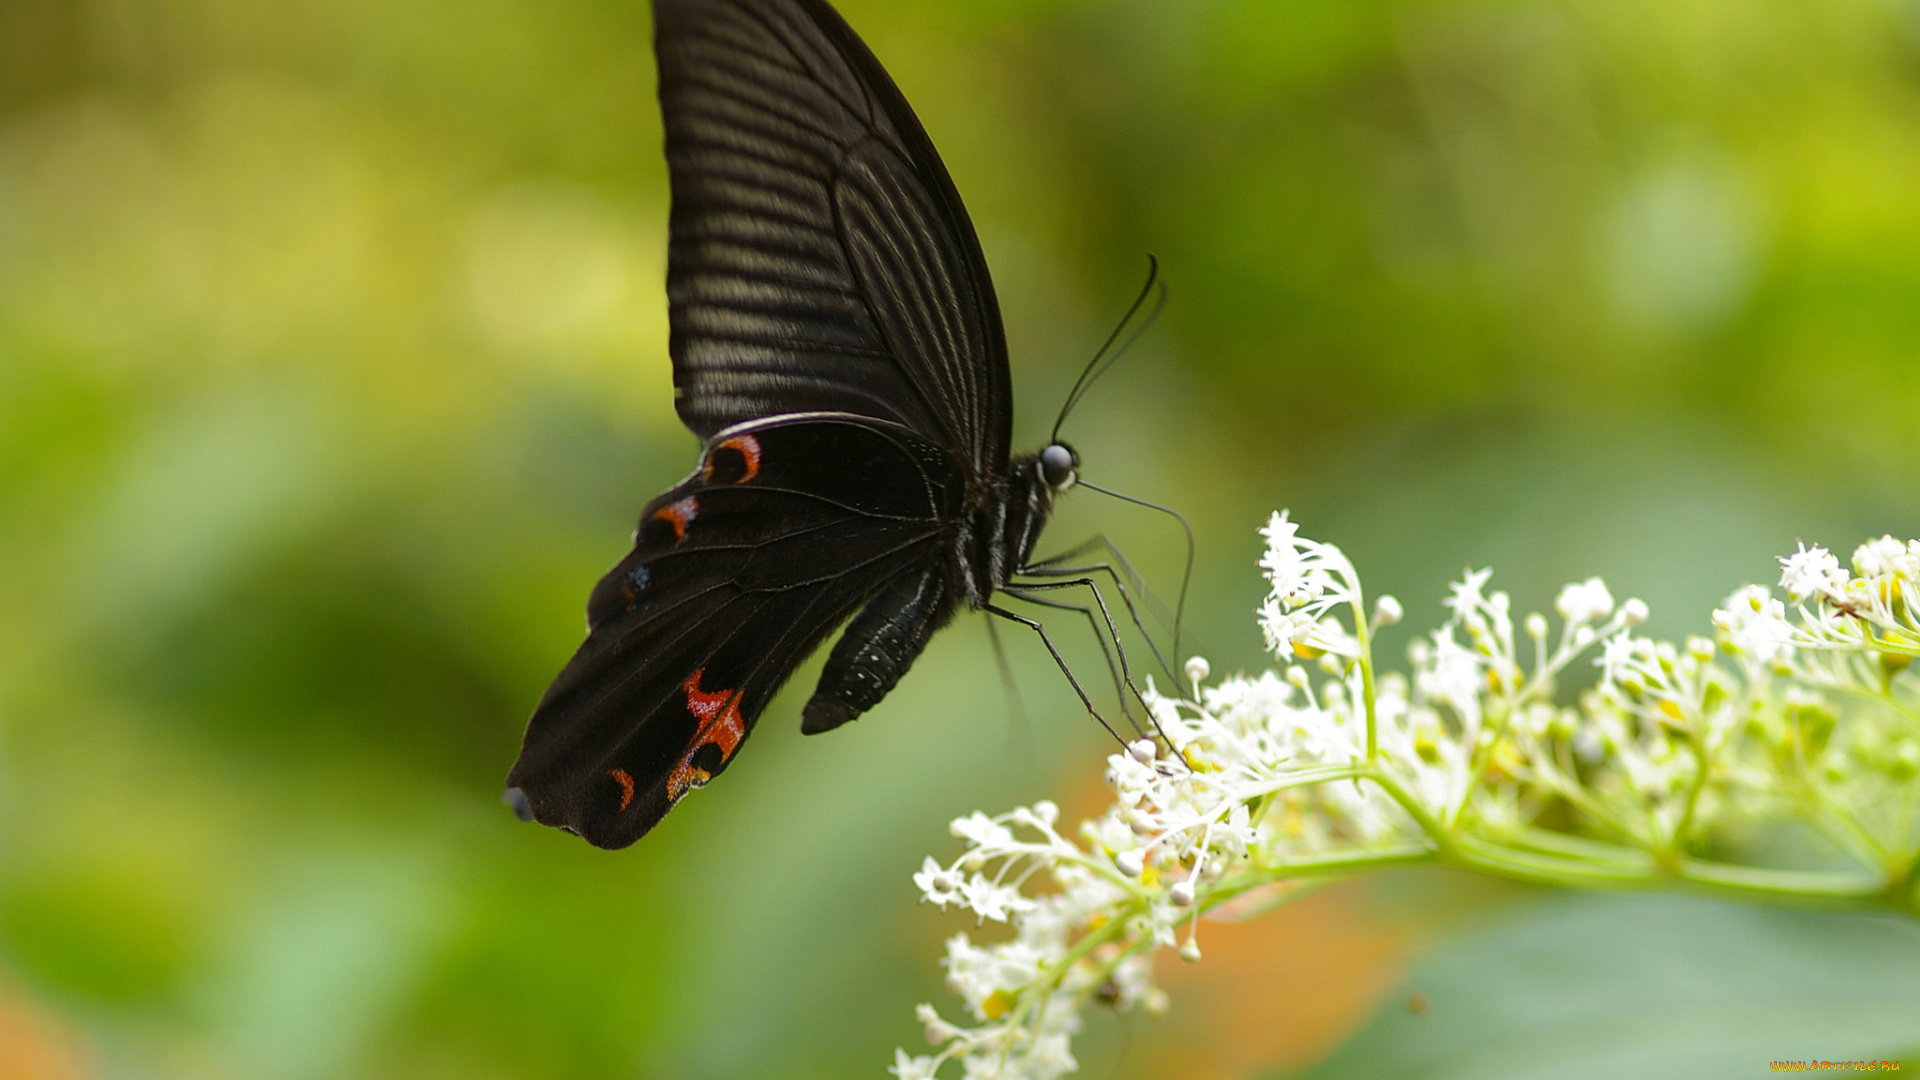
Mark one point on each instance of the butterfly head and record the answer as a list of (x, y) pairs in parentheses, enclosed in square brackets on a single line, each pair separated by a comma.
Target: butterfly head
[(1059, 466)]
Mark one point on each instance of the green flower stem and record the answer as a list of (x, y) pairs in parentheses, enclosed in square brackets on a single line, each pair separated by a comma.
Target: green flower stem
[(1088, 942), (1885, 645), (1848, 834), (1677, 840), (1338, 864), (1093, 939), (1474, 853), (1584, 864), (1442, 837), (1325, 774), (1563, 845), (1483, 755), (1791, 886), (1363, 633)]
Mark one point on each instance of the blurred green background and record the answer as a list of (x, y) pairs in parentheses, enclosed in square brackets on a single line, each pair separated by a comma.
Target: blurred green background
[(333, 373)]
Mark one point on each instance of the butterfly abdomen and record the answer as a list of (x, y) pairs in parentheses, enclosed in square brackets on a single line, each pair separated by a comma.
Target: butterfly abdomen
[(879, 646)]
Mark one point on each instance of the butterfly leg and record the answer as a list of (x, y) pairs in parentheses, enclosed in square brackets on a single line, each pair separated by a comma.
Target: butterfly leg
[(1126, 671), (1060, 661), (1021, 731), (1126, 599), (1055, 567), (1121, 672)]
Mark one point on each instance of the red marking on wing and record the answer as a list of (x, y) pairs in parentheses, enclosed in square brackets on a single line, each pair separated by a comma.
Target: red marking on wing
[(749, 448), (679, 515), (720, 725), (625, 780)]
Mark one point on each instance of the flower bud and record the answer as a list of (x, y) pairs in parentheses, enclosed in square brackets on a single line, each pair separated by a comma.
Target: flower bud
[(1143, 751), (1198, 669), (1047, 811), (938, 1030), (1536, 626), (1190, 951), (1129, 863), (1387, 611), (1633, 612), (1181, 894)]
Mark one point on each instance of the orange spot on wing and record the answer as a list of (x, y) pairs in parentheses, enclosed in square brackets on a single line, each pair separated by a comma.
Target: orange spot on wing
[(720, 725), (679, 515), (748, 448), (625, 780)]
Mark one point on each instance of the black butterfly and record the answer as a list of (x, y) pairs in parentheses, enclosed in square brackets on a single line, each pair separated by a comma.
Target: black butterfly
[(837, 344)]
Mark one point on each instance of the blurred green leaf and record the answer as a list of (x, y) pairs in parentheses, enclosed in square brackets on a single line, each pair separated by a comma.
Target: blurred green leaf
[(1649, 986)]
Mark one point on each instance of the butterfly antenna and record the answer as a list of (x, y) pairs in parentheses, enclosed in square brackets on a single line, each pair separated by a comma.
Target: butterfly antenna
[(1186, 577), (1159, 304), (1095, 368)]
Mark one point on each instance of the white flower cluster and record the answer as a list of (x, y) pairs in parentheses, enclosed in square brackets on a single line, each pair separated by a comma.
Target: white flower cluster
[(1265, 785), (1309, 580), (1026, 993)]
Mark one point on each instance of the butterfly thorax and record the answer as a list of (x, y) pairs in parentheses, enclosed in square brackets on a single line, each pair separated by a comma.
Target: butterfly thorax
[(1003, 523)]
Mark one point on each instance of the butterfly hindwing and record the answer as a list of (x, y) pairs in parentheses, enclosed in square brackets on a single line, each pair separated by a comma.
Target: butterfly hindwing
[(837, 345), (820, 258), (784, 530)]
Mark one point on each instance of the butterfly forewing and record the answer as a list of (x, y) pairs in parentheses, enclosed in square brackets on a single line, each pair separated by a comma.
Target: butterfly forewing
[(819, 257), (786, 528), (836, 343)]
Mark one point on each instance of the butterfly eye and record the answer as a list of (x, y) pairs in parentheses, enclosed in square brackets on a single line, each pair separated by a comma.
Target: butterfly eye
[(1057, 463)]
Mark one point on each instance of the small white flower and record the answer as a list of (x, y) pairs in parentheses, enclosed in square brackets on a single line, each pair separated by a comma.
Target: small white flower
[(1585, 601), (939, 1032), (1451, 674), (911, 1068), (937, 884), (1284, 629), (1885, 557), (981, 831), (1754, 622), (990, 900), (1812, 572), (1050, 1057), (1620, 657), (1464, 597)]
